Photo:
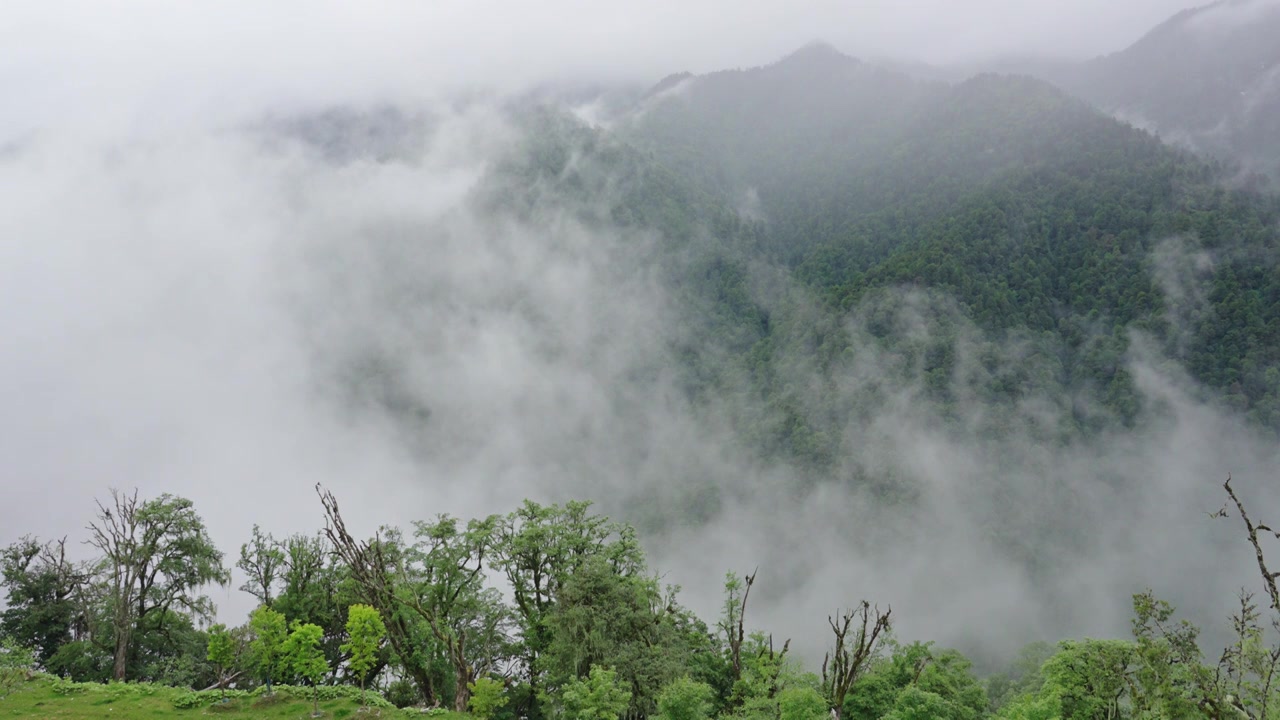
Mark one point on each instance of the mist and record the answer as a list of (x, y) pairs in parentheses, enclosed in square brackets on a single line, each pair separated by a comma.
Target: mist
[(198, 296)]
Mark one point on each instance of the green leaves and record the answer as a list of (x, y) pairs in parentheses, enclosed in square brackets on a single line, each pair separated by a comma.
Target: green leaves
[(801, 703), (302, 653), (304, 657), (488, 696), (600, 696), (365, 631), (685, 699), (222, 650)]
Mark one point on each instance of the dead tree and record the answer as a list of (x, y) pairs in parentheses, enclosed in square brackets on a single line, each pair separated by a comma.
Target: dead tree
[(450, 570), (851, 656), (734, 623), (1268, 577), (1249, 655), (371, 567)]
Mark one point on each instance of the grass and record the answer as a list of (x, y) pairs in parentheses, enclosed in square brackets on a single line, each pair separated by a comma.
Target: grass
[(47, 697)]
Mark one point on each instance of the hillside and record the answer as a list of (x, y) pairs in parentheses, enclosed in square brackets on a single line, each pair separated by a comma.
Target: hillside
[(1207, 78), (1040, 216)]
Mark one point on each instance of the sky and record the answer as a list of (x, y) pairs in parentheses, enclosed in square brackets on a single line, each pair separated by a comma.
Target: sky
[(134, 63), (181, 301)]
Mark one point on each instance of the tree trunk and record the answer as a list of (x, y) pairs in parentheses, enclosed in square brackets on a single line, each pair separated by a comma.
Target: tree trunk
[(121, 655), (463, 695)]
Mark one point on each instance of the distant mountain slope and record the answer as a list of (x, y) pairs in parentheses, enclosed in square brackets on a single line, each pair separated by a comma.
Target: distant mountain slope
[(1207, 77), (1033, 210)]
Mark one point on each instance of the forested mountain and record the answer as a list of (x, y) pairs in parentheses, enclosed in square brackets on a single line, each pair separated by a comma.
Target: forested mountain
[(1045, 220)]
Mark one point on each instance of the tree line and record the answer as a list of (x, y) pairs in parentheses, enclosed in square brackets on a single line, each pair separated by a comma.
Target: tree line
[(552, 611)]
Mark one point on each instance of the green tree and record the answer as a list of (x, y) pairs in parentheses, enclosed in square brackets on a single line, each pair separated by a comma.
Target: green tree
[(488, 696), (305, 658), (157, 555), (44, 594), (801, 703), (365, 631), (313, 589), (1090, 678), (916, 704), (604, 616), (599, 696), (222, 653), (685, 699), (269, 631), (263, 561), (15, 662), (538, 548)]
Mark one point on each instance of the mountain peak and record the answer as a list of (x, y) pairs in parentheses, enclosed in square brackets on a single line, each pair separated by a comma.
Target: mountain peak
[(816, 52)]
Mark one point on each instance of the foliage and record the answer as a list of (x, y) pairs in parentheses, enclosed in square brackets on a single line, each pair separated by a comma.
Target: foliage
[(41, 608), (487, 697), (156, 555), (599, 696), (801, 703), (685, 699), (269, 631), (222, 650), (15, 662), (304, 657), (261, 560), (365, 631)]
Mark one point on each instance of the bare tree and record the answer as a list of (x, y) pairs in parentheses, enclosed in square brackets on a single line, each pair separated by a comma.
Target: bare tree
[(439, 579), (371, 565), (734, 623), (1248, 667), (842, 667)]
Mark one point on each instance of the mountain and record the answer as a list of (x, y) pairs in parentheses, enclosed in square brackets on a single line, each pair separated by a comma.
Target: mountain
[(1010, 204), (1208, 78)]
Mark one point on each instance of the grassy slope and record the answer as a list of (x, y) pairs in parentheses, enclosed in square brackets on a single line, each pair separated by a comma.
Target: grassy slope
[(47, 698)]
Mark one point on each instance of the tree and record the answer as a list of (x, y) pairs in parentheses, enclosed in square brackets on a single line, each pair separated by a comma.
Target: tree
[(314, 589), (373, 568), (487, 697), (801, 703), (222, 653), (597, 697), (916, 704), (15, 662), (157, 555), (306, 659), (604, 616), (848, 660), (733, 623), (46, 595), (1090, 678), (262, 561), (539, 548), (365, 631), (685, 699), (270, 632), (440, 580)]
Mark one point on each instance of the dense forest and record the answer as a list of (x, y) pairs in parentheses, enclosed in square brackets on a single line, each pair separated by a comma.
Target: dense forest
[(552, 611), (1006, 203)]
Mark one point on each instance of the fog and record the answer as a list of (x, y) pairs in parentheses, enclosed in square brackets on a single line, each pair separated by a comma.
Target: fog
[(135, 63), (196, 301)]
